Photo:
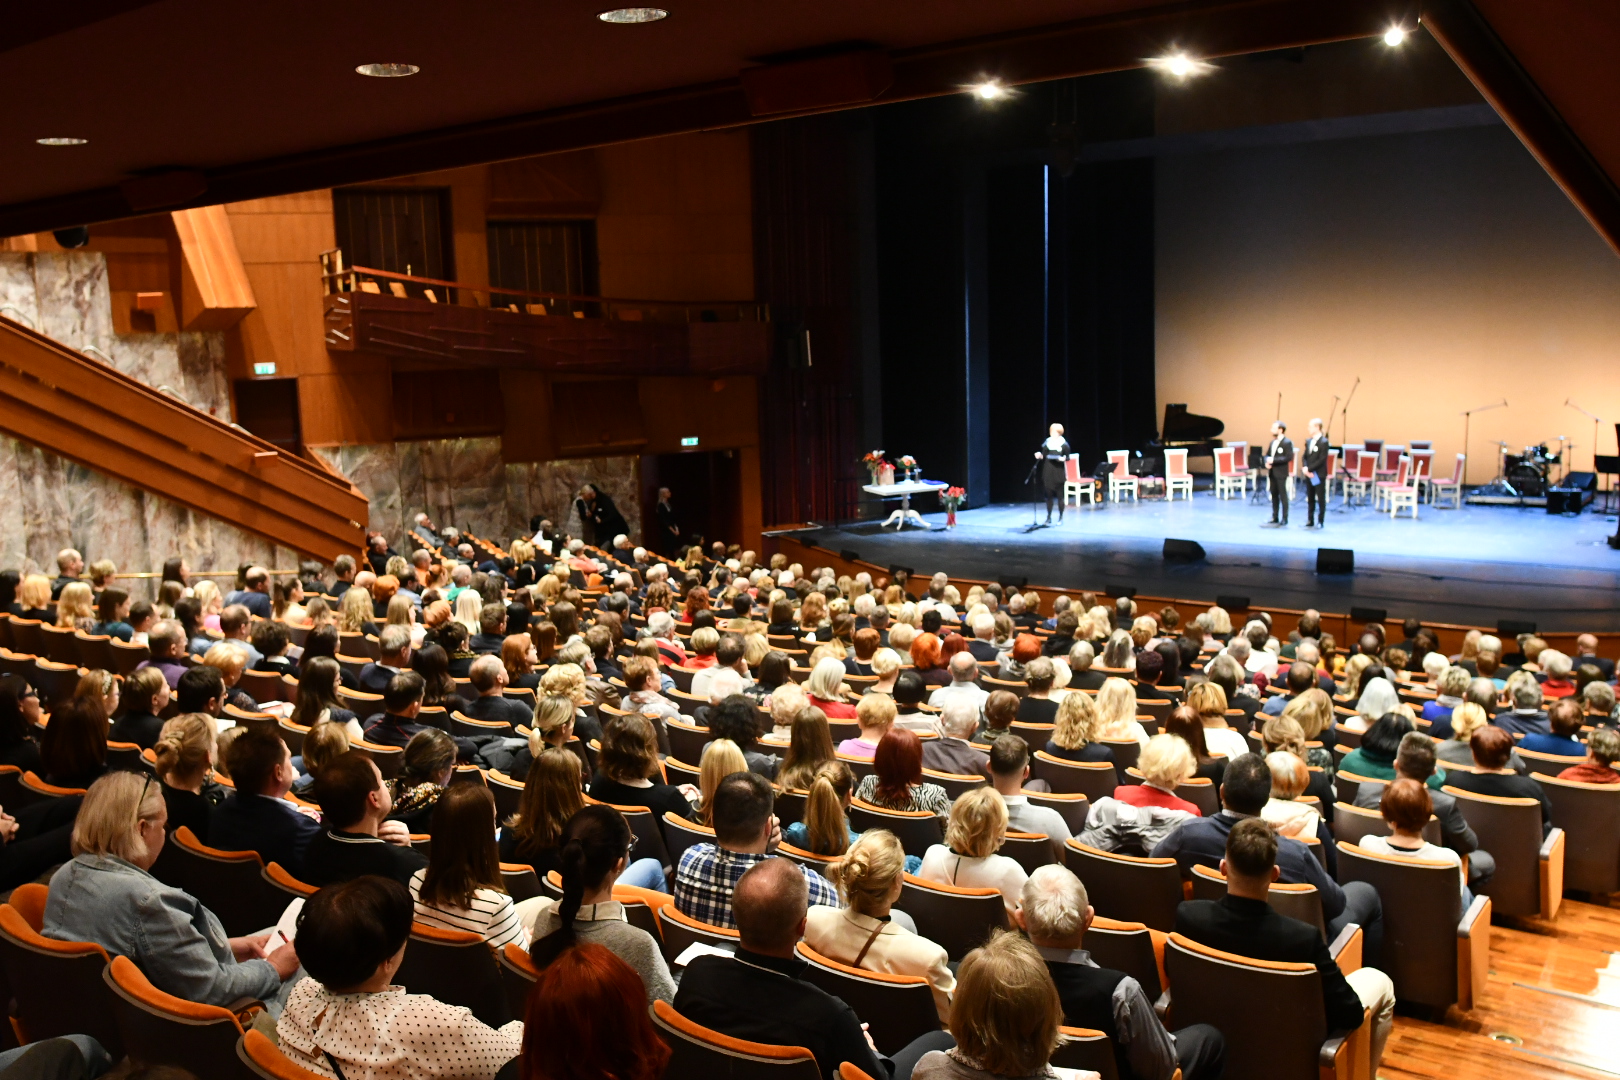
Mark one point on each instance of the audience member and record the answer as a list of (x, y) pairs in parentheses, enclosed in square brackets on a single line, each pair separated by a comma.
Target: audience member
[(585, 1018), (977, 829), (1493, 773), (1602, 751), (183, 755), (461, 887), (876, 715), (256, 816), (1009, 774), (357, 837), (1564, 717), (1415, 761), (896, 780), (809, 748), (1406, 808), (1005, 1017), (952, 752), (424, 776)]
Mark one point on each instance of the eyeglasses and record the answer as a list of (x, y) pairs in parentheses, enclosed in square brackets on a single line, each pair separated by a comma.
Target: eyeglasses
[(140, 802)]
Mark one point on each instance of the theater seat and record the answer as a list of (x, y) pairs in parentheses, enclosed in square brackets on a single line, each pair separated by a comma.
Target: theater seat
[(680, 930), (229, 883), (957, 919), (917, 830), (1090, 1050), (697, 1051), (898, 1008), (1529, 878), (518, 976), (1132, 888), (457, 967), (264, 1059), (56, 986), (161, 1029)]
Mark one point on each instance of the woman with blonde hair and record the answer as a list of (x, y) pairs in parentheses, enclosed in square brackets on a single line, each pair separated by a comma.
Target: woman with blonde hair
[(355, 613), (1220, 624), (1074, 732), (107, 895), (185, 756), (401, 612), (33, 594), (324, 744), (1313, 712), (1289, 778), (1350, 680), (886, 666), (1209, 700), (1166, 762), (1005, 1016), (1116, 712), (864, 934), (231, 662), (721, 758), (902, 636), (824, 689), (76, 608), (469, 611), (1466, 719), (976, 831), (824, 829)]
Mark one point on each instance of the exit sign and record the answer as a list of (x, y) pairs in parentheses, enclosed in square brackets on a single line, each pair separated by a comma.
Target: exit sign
[(264, 369), (690, 440)]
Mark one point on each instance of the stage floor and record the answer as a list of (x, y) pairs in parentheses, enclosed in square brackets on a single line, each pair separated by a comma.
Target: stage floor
[(1468, 566)]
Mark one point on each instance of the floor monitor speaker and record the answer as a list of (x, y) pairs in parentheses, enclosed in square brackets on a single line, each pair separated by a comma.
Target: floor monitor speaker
[(1365, 615), (1183, 551), (1335, 561), (1232, 603)]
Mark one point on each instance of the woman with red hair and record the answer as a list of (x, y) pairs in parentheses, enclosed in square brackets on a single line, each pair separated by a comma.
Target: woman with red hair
[(587, 1020), (896, 781), (697, 599), (925, 656)]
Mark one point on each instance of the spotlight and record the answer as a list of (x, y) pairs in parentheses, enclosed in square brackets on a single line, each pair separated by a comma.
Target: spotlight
[(633, 15), (1180, 65), (61, 140), (387, 71), (1395, 36), (989, 90)]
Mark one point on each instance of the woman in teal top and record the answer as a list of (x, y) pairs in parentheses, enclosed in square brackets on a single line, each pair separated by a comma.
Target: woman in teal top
[(1375, 758)]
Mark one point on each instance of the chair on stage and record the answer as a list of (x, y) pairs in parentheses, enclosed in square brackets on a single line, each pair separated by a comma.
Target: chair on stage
[(1382, 488), (1240, 464), (1390, 459), (1227, 477), (1360, 484), (1403, 492), (1347, 467), (1421, 444), (1121, 480), (1439, 487), (1422, 470), (1176, 475), (1076, 486), (1293, 471), (1373, 446)]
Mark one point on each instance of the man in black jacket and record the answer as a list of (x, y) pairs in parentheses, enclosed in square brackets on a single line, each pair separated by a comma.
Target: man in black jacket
[(358, 838), (492, 705), (1279, 456), (761, 994), (1314, 466), (1242, 922)]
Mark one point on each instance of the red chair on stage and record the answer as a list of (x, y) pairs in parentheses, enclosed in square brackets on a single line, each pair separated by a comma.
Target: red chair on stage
[(1391, 459), (1439, 487), (1227, 477), (1352, 454), (1361, 483), (1075, 486), (1121, 480), (1422, 469), (1176, 475), (1240, 464)]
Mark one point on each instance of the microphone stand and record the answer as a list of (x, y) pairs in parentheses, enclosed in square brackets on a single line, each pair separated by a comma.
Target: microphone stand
[(1596, 424), (1344, 415), (1034, 497), (1467, 419)]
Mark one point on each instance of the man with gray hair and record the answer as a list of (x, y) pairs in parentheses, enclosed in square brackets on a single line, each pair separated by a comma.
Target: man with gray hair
[(1059, 606), (952, 752), (1527, 715), (964, 684), (1309, 652), (661, 625), (1598, 697), (1081, 677), (1261, 660), (864, 606), (1056, 913), (393, 657), (982, 647)]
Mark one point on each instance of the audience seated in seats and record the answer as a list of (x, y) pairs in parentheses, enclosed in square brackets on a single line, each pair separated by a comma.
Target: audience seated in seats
[(1165, 763), (235, 622), (967, 858), (909, 692), (876, 715), (1375, 757), (439, 690), (1526, 717), (349, 1015), (317, 700), (809, 747), (1242, 922), (1564, 717), (721, 758), (33, 593), (737, 718), (1055, 912), (1301, 677), (1009, 773), (1406, 807), (705, 641), (746, 834), (1283, 733), (113, 607), (1597, 698), (641, 679), (1288, 780), (402, 703), (489, 678), (394, 656), (201, 689), (1075, 736), (964, 686), (257, 816), (824, 687), (1313, 712), (759, 994), (518, 657), (322, 744), (1244, 792), (952, 752), (927, 660), (727, 655), (73, 750), (271, 640), (586, 1019), (429, 763), (492, 630), (1116, 713), (101, 688), (1082, 655), (982, 645), (145, 695), (1468, 718), (627, 766), (662, 627), (567, 679), (1000, 710), (255, 592), (1452, 685), (593, 856), (1037, 706), (19, 717), (167, 643), (1415, 761), (1602, 751), (184, 758), (106, 894), (1210, 701), (461, 887), (1493, 773), (1062, 639), (896, 781), (357, 838)]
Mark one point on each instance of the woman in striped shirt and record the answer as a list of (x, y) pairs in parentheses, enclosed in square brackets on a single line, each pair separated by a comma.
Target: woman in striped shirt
[(461, 887)]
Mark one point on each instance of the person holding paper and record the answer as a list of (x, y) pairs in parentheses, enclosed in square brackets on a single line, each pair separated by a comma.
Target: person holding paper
[(1316, 478)]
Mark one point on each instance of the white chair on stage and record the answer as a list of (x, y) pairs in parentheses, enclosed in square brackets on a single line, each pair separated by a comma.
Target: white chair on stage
[(1440, 487), (1121, 480), (1176, 475), (1228, 480), (1077, 487), (1422, 469), (1361, 482), (1293, 471), (1352, 453), (1400, 494)]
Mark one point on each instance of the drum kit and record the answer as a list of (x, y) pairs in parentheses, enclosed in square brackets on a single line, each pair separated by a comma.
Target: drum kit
[(1530, 473)]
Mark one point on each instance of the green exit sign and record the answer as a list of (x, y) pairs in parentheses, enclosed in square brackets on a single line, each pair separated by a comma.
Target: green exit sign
[(264, 369), (690, 440)]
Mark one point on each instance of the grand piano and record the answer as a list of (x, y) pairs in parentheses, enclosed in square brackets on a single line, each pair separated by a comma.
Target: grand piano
[(1183, 430)]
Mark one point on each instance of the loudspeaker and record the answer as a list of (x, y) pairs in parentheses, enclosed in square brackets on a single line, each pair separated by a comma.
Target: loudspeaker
[(75, 237), (1512, 628), (1016, 584), (1232, 603), (849, 556), (1368, 615), (1573, 495), (1183, 551), (1127, 591), (1335, 561)]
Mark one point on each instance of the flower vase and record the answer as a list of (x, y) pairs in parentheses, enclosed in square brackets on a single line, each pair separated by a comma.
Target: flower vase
[(875, 480), (950, 518), (886, 475)]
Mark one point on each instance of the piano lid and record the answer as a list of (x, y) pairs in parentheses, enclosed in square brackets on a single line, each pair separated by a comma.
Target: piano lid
[(1181, 426)]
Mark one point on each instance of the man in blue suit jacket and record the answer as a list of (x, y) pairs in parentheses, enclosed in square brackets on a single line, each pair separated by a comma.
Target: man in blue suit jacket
[(257, 816)]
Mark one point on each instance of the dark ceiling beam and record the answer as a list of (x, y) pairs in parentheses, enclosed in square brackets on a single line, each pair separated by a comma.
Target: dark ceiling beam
[(26, 23), (1212, 28), (1465, 34)]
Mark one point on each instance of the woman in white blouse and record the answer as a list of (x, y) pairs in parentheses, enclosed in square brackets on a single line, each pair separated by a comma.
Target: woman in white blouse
[(461, 886), (1210, 702), (977, 829), (348, 1016), (1406, 806)]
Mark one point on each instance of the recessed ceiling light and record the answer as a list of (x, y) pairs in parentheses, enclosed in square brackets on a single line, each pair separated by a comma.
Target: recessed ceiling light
[(61, 140), (1180, 65), (387, 71), (989, 90), (1394, 36), (630, 15)]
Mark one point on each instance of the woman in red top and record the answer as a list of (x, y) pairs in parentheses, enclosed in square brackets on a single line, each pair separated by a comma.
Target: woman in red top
[(1166, 762), (1558, 684), (822, 689), (1602, 751), (697, 599)]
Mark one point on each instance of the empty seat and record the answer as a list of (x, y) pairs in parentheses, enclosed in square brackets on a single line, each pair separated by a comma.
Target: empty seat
[(128, 657), (956, 918), (1088, 1050), (261, 685), (1130, 947), (1073, 808), (955, 784), (1029, 850), (1131, 888), (686, 740), (388, 759), (680, 834), (457, 967), (56, 986), (518, 976), (697, 1051), (55, 682), (1529, 878), (898, 1008), (1093, 779), (161, 1029), (1589, 815), (265, 1059), (917, 830)]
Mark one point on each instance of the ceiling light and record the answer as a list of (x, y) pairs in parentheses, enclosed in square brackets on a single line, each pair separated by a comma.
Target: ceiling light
[(387, 71), (989, 90), (1394, 36), (1180, 65), (61, 141), (631, 15)]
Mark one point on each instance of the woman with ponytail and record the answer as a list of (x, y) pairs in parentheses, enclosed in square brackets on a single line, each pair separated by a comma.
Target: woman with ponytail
[(864, 934), (185, 751), (825, 830), (594, 854)]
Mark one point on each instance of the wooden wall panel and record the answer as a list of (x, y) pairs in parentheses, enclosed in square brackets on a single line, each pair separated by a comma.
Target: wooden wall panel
[(722, 413), (348, 407), (215, 293)]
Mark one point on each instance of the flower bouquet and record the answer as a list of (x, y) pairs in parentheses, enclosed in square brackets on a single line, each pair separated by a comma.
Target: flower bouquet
[(909, 464), (952, 497), (875, 464)]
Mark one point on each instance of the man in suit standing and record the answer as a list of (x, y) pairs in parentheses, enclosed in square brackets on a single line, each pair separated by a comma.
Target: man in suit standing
[(1279, 454), (668, 539), (1315, 466)]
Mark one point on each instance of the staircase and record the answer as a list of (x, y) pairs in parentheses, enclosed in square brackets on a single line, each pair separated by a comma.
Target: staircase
[(85, 411)]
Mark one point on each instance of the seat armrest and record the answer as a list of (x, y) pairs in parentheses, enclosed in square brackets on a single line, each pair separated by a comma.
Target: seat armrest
[(1554, 841), (1473, 952), (1346, 948), (1162, 1007), (1348, 1056), (1552, 873)]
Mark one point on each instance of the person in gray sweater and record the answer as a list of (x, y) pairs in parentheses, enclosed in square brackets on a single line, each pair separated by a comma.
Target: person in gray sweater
[(592, 852)]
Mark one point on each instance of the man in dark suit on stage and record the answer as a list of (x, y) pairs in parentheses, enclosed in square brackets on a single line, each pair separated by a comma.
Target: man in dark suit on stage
[(1279, 454), (1316, 478)]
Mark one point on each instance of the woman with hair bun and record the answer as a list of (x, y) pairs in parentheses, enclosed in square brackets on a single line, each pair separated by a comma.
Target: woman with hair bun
[(185, 751), (863, 935), (594, 851)]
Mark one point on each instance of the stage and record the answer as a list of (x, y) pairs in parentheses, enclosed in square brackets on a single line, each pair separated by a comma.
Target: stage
[(1469, 566)]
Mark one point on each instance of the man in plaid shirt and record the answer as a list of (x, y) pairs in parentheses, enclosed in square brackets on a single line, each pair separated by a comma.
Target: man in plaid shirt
[(747, 834)]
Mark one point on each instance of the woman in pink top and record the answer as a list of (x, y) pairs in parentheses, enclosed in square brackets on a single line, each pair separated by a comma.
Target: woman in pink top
[(875, 714)]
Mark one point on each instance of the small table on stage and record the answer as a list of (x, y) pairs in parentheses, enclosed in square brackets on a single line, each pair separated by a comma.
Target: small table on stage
[(905, 515)]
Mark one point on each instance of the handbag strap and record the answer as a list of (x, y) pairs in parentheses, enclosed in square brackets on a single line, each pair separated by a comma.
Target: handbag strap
[(332, 1061), (862, 954)]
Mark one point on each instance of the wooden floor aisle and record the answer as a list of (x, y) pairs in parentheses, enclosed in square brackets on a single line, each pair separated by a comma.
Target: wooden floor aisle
[(1554, 986)]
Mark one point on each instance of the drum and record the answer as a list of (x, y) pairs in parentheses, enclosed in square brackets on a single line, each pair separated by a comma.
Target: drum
[(1527, 478)]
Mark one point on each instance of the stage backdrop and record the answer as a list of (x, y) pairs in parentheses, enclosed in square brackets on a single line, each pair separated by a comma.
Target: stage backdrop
[(1445, 268)]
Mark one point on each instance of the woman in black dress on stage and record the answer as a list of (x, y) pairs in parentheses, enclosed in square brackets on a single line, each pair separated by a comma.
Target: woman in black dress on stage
[(1052, 455)]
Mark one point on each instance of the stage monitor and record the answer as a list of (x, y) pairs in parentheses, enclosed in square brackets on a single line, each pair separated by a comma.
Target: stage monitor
[(849, 556), (1183, 551), (1366, 615), (1335, 561), (1232, 603), (1512, 628), (1128, 592), (1017, 584)]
